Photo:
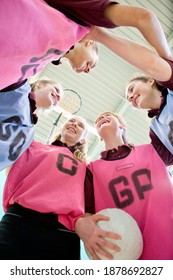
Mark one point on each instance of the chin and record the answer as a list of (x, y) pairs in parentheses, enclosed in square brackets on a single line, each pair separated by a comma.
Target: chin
[(49, 107)]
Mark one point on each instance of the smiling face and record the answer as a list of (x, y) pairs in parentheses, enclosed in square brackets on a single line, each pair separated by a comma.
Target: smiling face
[(48, 96), (108, 124), (84, 56), (74, 131), (140, 94)]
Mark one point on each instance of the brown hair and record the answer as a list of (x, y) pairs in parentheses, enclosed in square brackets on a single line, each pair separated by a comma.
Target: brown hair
[(145, 79)]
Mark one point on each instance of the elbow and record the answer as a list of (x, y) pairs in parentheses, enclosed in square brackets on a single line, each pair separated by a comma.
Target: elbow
[(146, 18)]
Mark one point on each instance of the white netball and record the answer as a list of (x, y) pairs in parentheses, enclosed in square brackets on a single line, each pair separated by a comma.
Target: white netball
[(131, 242)]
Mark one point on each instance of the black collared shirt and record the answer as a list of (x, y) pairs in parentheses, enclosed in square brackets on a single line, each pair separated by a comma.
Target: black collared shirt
[(113, 154), (156, 112), (61, 144)]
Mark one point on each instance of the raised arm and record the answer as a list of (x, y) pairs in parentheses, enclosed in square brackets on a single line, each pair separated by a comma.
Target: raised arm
[(136, 54), (145, 21)]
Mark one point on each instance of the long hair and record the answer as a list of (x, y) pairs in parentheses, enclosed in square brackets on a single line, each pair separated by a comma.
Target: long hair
[(43, 83), (80, 150)]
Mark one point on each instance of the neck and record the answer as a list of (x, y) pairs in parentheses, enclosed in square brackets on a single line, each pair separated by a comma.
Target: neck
[(156, 98), (70, 54), (67, 142), (113, 143)]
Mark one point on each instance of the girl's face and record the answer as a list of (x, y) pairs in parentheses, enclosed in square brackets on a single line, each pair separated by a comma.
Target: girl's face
[(107, 123), (85, 59), (48, 96), (139, 93), (74, 131)]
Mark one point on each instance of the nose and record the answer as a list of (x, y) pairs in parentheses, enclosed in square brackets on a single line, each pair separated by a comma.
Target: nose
[(74, 123), (88, 68), (130, 97)]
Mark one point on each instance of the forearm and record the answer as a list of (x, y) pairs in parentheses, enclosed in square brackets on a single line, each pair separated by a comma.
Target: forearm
[(136, 54), (152, 31), (145, 21)]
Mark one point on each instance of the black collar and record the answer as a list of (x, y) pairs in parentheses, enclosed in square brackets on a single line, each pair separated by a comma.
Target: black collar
[(156, 112)]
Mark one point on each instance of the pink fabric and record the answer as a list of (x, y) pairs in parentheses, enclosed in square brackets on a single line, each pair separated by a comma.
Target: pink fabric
[(140, 185), (47, 178), (32, 34)]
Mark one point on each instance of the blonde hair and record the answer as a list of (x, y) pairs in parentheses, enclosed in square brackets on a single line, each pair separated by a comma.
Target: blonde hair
[(80, 149), (95, 48), (42, 83)]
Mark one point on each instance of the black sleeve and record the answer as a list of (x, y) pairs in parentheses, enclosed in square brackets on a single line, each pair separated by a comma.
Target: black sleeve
[(168, 84), (89, 193), (163, 152)]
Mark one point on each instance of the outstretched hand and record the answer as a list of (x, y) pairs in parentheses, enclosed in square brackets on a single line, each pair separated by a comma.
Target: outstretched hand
[(94, 237)]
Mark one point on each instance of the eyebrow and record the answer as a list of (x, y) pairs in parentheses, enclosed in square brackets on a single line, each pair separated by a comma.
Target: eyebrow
[(57, 89)]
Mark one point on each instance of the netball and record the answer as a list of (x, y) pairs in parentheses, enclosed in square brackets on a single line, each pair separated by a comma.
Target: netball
[(121, 222)]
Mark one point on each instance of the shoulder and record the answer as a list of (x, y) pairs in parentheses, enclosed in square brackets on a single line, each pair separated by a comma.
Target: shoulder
[(14, 86), (168, 84)]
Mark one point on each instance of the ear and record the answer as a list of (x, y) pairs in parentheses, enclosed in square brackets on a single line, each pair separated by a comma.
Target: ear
[(89, 43), (151, 81)]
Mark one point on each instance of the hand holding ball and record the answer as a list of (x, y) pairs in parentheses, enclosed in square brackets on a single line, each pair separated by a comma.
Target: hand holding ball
[(121, 222)]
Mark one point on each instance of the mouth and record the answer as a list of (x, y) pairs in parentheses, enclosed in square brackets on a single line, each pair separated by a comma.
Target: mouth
[(103, 122), (71, 129), (78, 70)]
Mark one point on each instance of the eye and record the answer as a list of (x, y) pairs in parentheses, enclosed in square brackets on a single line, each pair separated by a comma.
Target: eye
[(131, 89), (130, 93), (81, 125)]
